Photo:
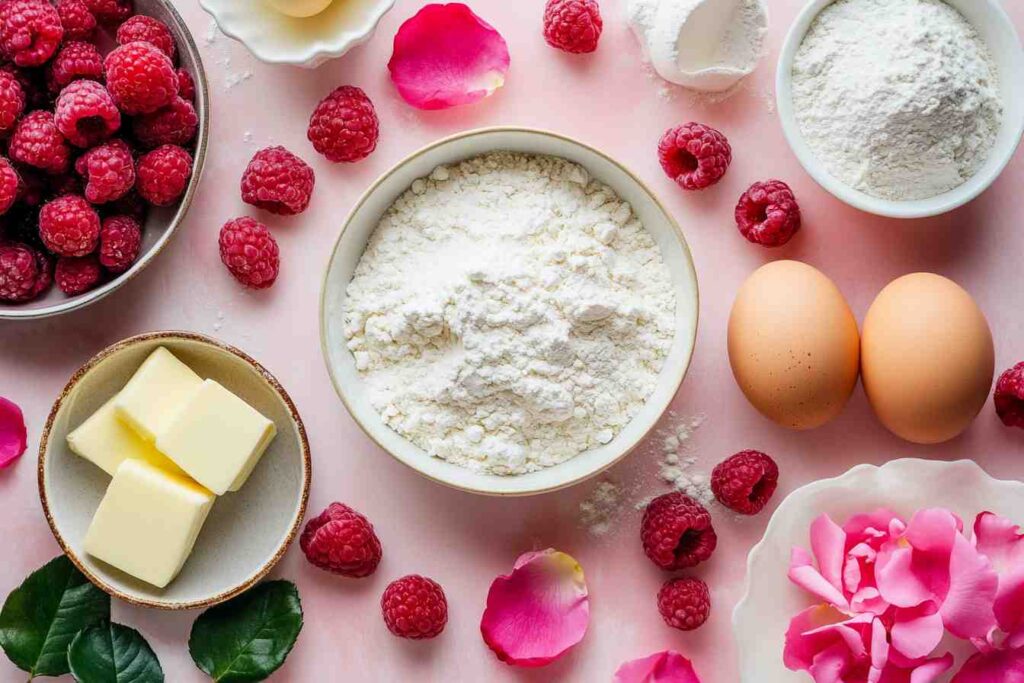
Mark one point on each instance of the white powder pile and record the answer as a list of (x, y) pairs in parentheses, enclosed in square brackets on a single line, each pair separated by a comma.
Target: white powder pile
[(898, 98), (509, 312)]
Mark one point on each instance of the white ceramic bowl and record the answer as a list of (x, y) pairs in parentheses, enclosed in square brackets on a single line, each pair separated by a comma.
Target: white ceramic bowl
[(361, 224), (762, 616), (246, 533), (308, 42), (995, 27)]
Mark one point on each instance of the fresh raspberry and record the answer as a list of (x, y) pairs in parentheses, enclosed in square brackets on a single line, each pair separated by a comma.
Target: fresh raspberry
[(344, 125), (9, 183), (414, 607), (572, 25), (150, 30), (30, 31), (767, 213), (130, 204), (75, 60), (676, 532), (86, 114), (1009, 396), (140, 78), (77, 275), (69, 226), (44, 272), (186, 85), (111, 12), (684, 603), (162, 175), (250, 252), (175, 124), (18, 272), (342, 541), (78, 22), (694, 155), (120, 240), (109, 171), (745, 482), (12, 102), (278, 181), (37, 142)]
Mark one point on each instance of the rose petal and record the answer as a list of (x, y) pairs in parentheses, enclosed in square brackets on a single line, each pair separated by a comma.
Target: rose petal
[(661, 667), (1000, 540), (445, 56), (968, 608), (803, 574), (828, 542), (917, 631), (539, 611), (998, 666), (13, 435)]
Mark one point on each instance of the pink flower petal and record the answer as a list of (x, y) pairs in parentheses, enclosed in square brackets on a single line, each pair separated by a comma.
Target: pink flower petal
[(1009, 605), (539, 611), (999, 666), (917, 631), (445, 56), (803, 574), (968, 606), (1000, 540), (661, 667), (13, 435), (897, 579), (828, 542), (930, 670)]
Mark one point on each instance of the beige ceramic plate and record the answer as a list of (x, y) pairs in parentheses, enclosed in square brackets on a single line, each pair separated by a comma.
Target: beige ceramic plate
[(246, 533)]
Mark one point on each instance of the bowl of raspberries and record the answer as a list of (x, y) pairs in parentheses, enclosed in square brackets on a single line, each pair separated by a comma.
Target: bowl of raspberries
[(103, 130)]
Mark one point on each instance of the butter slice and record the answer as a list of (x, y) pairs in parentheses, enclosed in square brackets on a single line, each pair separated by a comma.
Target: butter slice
[(155, 393), (147, 522), (217, 438), (106, 442)]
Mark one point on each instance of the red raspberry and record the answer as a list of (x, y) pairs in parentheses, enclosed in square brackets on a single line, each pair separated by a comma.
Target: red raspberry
[(120, 240), (186, 86), (75, 60), (1009, 396), (767, 213), (141, 27), (572, 25), (18, 272), (684, 603), (111, 12), (69, 226), (12, 102), (109, 171), (162, 175), (676, 532), (175, 124), (745, 482), (77, 275), (342, 541), (694, 155), (140, 78), (344, 126), (9, 183), (278, 181), (30, 31), (78, 22), (86, 114), (414, 607), (250, 253), (44, 272), (37, 142)]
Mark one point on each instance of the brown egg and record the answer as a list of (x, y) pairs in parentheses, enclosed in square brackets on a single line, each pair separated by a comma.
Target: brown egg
[(927, 358), (793, 344)]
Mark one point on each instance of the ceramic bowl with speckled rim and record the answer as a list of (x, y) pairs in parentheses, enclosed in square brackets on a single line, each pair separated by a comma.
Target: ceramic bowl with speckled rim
[(247, 532)]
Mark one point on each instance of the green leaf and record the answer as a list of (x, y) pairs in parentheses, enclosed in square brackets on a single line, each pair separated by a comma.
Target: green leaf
[(43, 614), (248, 638), (111, 653)]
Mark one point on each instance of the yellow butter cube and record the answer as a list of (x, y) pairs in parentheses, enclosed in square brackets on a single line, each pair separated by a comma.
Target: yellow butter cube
[(155, 393), (106, 442), (148, 521), (216, 438)]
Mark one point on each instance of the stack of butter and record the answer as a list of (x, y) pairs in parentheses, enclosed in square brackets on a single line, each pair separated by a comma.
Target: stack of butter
[(172, 442)]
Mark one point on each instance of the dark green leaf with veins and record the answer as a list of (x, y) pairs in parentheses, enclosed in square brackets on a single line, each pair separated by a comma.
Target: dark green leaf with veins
[(111, 653)]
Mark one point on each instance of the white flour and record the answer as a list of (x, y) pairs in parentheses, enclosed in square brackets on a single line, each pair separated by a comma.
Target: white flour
[(898, 98), (509, 313)]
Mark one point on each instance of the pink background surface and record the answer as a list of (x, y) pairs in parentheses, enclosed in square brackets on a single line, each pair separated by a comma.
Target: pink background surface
[(464, 541)]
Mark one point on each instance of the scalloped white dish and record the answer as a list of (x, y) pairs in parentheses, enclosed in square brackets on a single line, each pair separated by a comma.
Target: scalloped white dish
[(770, 600), (276, 38)]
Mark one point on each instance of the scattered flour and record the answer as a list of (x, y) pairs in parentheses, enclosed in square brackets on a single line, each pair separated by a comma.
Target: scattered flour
[(232, 77), (678, 463), (601, 509)]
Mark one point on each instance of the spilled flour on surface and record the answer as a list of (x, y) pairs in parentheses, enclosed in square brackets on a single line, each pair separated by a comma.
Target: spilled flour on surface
[(601, 509)]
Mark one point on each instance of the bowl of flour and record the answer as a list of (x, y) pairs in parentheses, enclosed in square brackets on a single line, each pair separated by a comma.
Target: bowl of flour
[(508, 311), (902, 108)]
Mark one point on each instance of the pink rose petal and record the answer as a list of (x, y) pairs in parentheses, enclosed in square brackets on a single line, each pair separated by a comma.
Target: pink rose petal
[(917, 631), (828, 543), (803, 574), (445, 56), (999, 666), (661, 667), (539, 611), (968, 608), (13, 435)]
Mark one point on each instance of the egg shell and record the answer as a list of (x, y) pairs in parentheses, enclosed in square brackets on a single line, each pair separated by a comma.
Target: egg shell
[(793, 344), (927, 358)]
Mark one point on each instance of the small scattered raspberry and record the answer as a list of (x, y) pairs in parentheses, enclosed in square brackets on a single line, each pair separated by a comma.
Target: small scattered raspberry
[(278, 181), (414, 607), (767, 213), (676, 532), (694, 155), (572, 25), (109, 171), (9, 183), (86, 113), (111, 12), (120, 240), (78, 22), (250, 252), (186, 85), (140, 78), (175, 124), (341, 541), (162, 175), (69, 226), (745, 482), (77, 275), (37, 142), (30, 31), (44, 272), (1009, 396), (18, 272), (12, 102), (684, 603), (75, 60), (150, 30), (344, 126)]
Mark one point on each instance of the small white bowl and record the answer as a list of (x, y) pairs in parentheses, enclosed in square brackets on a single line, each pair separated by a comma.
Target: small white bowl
[(276, 38), (361, 224), (762, 616), (997, 30)]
